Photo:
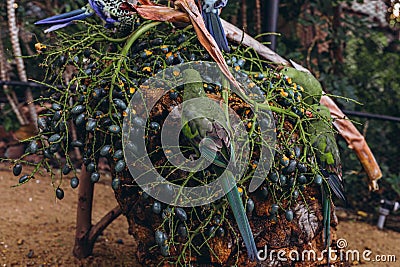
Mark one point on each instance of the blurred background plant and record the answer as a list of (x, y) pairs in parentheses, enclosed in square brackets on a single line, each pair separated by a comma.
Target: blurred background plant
[(353, 47), (355, 54)]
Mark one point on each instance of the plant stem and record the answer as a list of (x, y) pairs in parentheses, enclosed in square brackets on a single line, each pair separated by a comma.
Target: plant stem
[(12, 25)]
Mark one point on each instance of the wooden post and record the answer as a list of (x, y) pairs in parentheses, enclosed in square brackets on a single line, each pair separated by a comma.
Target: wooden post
[(84, 216)]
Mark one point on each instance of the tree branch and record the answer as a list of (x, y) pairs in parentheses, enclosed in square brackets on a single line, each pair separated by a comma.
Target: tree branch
[(82, 248), (86, 234), (235, 34), (103, 223)]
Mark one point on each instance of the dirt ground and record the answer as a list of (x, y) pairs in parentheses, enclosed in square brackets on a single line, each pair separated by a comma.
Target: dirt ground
[(38, 230)]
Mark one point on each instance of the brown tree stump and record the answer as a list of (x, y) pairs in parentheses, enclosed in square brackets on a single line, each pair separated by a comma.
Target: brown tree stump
[(303, 234)]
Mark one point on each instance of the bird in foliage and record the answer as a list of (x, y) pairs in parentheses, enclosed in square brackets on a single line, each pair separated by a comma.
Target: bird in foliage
[(107, 10), (312, 87), (326, 151), (218, 151), (210, 13)]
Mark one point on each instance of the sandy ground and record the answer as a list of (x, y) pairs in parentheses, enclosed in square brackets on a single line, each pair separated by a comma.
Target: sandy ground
[(33, 220), (38, 230)]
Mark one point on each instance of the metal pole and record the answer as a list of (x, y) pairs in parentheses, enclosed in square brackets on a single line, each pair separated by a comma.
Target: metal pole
[(272, 13), (371, 115)]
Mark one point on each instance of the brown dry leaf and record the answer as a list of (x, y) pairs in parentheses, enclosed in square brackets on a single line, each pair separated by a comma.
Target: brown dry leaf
[(162, 13), (355, 141), (146, 2)]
